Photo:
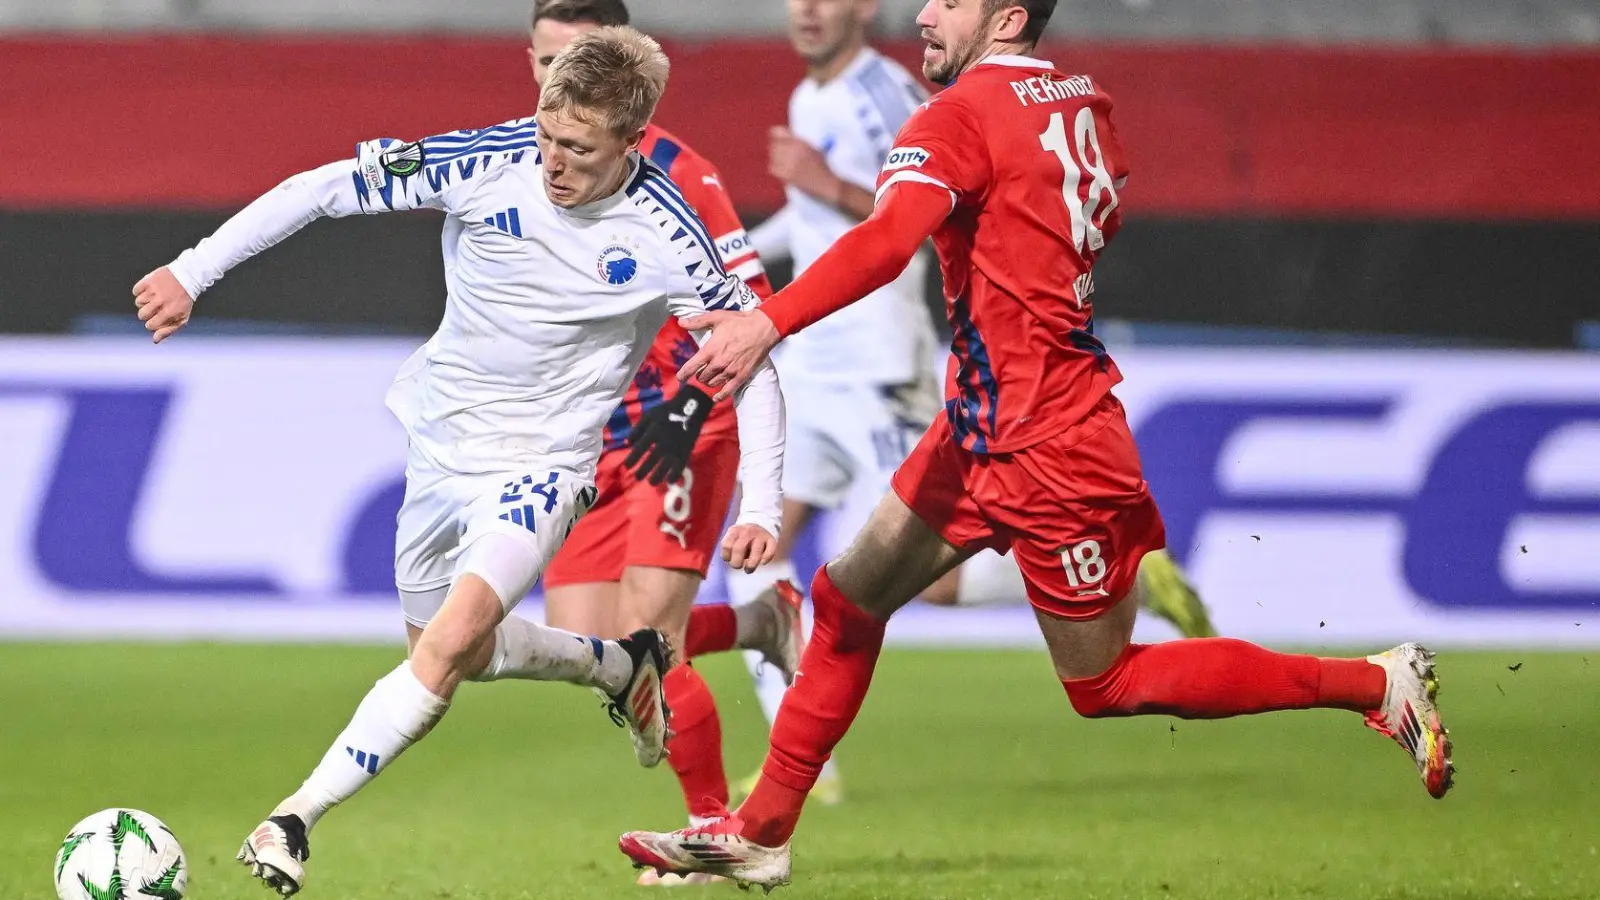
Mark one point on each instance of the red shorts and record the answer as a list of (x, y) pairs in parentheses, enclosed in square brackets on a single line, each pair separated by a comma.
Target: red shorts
[(634, 523), (1074, 508)]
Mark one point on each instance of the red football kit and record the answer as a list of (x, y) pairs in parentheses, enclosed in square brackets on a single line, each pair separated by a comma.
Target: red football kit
[(671, 526), (1014, 171), (1020, 167)]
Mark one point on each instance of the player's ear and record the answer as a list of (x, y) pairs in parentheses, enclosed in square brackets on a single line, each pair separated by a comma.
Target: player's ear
[(1009, 24), (635, 139)]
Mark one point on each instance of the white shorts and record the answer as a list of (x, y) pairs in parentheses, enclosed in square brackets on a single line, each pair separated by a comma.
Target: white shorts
[(443, 513), (844, 438)]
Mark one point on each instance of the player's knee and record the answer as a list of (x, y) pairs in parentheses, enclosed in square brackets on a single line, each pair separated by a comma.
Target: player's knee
[(1109, 694), (836, 612), (1093, 702), (444, 657)]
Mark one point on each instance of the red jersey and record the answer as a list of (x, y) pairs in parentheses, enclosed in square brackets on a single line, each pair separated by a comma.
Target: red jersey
[(702, 187), (1033, 167)]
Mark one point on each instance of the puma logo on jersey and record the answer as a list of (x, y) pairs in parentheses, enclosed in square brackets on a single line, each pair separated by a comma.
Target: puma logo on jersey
[(905, 158), (677, 532)]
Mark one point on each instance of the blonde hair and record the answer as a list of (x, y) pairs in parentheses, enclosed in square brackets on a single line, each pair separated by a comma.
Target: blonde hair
[(615, 74)]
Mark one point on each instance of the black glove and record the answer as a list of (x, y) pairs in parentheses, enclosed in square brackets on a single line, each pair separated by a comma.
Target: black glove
[(665, 436)]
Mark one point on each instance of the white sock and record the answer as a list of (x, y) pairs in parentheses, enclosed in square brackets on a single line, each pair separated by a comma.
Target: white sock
[(528, 650), (395, 714), (989, 579), (746, 586)]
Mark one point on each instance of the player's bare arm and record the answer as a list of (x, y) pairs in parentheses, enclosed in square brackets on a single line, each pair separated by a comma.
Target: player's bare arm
[(795, 162), (866, 258)]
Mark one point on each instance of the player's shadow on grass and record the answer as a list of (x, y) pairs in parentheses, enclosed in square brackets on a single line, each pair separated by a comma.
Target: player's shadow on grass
[(901, 862), (1119, 784)]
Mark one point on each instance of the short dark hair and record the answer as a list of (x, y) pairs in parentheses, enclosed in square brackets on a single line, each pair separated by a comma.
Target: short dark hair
[(1039, 12), (604, 13)]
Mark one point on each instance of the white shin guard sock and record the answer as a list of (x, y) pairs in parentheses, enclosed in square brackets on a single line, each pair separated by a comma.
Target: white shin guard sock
[(395, 714), (534, 652)]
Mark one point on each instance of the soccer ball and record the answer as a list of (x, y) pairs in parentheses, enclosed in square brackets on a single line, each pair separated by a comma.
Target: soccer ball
[(120, 854)]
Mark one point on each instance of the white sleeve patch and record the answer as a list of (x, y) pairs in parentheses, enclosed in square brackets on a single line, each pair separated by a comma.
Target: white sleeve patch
[(369, 160), (915, 177), (905, 158), (733, 245)]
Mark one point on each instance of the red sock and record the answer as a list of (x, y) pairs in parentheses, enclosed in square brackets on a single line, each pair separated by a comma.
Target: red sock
[(695, 749), (816, 712), (1212, 678), (713, 628)]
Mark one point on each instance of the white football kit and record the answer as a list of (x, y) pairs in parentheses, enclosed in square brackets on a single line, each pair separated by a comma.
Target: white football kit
[(860, 384), (548, 314)]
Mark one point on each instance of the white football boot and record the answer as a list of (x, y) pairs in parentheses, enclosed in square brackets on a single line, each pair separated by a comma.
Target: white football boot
[(640, 706), (276, 853), (715, 849), (1410, 714), (652, 878)]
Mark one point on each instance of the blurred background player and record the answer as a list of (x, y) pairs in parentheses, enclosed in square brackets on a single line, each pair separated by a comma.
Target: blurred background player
[(642, 550), (1015, 172), (860, 386), (565, 253), (863, 384)]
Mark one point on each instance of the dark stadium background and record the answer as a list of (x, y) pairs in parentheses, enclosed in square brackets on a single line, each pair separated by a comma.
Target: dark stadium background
[(1443, 193)]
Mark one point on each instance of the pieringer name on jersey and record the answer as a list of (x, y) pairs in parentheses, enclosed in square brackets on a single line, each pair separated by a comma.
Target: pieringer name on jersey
[(1052, 88)]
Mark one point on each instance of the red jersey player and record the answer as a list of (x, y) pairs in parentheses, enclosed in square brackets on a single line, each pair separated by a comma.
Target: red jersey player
[(1014, 171), (644, 547)]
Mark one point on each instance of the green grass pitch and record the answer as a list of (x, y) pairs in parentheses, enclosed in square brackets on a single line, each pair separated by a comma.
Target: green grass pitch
[(969, 777)]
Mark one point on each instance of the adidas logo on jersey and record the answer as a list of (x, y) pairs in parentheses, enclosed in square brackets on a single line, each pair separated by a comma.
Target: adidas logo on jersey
[(506, 221)]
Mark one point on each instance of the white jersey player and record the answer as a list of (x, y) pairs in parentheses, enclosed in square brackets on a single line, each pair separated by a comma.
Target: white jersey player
[(564, 254)]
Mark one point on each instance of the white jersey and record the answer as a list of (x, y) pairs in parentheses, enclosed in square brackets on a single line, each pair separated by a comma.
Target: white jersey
[(548, 311), (852, 119)]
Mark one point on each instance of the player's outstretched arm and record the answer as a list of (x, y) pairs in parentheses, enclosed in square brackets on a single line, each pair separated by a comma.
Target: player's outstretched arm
[(866, 258), (166, 296), (384, 175)]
